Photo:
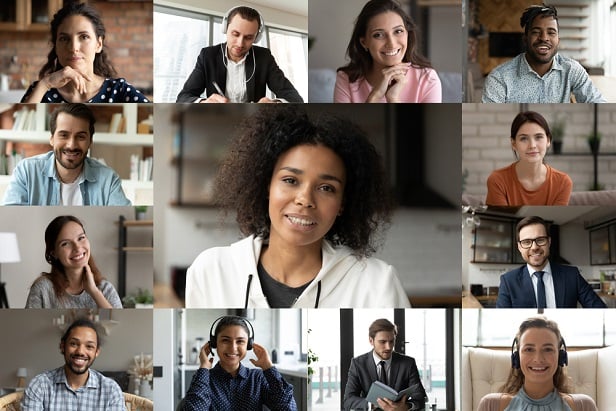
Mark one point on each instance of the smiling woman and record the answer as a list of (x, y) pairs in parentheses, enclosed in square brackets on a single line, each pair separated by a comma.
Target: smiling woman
[(78, 68), (311, 198), (74, 280), (538, 377), (529, 181)]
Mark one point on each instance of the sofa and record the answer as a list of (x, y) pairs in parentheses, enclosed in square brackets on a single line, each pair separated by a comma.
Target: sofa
[(592, 371), (594, 198)]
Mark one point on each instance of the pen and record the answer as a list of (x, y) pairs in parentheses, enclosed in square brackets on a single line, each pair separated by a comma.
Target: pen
[(217, 87)]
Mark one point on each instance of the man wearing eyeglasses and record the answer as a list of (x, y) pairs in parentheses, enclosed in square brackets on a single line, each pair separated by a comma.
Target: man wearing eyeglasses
[(540, 75), (541, 284)]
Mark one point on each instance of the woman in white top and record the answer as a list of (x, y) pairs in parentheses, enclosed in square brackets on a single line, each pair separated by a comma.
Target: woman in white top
[(74, 280), (311, 199), (538, 378)]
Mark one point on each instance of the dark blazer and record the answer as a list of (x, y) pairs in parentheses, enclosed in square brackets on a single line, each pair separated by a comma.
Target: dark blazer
[(210, 67), (516, 289), (362, 374)]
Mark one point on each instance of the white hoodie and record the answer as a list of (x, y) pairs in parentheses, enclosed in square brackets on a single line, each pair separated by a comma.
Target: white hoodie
[(225, 277)]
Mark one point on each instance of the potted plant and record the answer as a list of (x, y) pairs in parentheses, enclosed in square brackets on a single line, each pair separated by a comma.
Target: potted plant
[(594, 140), (141, 299), (558, 133), (140, 212)]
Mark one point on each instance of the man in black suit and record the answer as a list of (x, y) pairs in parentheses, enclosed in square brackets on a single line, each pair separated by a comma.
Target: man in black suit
[(541, 284), (383, 364), (237, 71)]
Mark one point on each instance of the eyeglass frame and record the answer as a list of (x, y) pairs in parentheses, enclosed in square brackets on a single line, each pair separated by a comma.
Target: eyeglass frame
[(534, 240)]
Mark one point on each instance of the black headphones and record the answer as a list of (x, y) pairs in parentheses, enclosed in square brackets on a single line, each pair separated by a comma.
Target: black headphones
[(563, 359), (235, 318), (225, 23)]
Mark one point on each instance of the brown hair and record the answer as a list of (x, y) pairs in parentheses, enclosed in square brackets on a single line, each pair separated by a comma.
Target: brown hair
[(531, 220), (78, 110), (530, 117), (57, 275), (515, 380), (382, 324), (102, 63), (361, 60)]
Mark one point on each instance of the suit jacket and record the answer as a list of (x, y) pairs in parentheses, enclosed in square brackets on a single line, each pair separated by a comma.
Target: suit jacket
[(362, 373), (210, 67), (516, 289)]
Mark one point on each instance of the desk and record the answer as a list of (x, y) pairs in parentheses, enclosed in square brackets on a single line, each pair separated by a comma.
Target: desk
[(469, 300), (607, 87)]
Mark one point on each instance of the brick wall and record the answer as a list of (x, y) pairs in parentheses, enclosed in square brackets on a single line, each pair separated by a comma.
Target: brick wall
[(486, 143), (129, 41)]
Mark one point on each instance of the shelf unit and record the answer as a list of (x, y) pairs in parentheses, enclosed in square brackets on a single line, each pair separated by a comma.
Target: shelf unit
[(28, 15), (495, 241), (139, 192), (573, 27), (124, 249)]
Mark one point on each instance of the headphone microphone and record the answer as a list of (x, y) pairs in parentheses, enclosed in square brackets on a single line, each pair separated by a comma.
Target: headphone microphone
[(231, 320), (563, 358)]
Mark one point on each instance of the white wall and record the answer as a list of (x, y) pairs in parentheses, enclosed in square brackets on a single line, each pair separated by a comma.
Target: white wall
[(33, 342), (444, 39), (165, 355), (30, 222)]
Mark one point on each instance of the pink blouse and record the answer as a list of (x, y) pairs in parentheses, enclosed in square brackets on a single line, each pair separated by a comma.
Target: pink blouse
[(423, 86)]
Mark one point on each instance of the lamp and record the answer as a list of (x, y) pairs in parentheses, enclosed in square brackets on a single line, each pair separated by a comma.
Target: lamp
[(22, 373), (9, 253)]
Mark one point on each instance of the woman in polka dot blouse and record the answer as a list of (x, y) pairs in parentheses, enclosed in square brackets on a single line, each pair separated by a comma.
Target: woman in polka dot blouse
[(229, 385), (78, 69)]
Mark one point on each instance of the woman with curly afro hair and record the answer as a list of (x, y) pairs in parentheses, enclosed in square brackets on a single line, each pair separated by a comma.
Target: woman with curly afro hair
[(311, 199)]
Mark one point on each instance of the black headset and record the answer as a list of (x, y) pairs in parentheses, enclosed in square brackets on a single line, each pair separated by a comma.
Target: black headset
[(563, 359), (225, 23), (214, 333)]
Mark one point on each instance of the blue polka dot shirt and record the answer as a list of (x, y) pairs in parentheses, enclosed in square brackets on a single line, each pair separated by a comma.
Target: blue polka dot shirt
[(112, 91), (249, 390)]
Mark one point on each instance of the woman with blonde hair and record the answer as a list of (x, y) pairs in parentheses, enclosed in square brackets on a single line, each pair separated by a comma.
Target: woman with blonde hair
[(538, 378)]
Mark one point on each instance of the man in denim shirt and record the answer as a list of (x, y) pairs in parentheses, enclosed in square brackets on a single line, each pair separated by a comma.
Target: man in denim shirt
[(65, 175), (540, 75)]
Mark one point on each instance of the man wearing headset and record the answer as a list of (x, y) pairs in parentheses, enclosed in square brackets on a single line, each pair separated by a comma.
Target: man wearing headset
[(229, 385), (237, 71)]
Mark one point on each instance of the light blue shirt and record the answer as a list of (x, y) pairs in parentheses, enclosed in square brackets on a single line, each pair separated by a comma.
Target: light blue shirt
[(35, 182), (516, 82), (50, 391)]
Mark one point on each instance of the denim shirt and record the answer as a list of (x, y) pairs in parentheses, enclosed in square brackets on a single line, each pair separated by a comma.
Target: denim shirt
[(35, 182), (516, 82)]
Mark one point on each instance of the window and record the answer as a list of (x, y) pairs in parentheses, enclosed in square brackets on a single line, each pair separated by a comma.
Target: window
[(580, 328), (180, 35)]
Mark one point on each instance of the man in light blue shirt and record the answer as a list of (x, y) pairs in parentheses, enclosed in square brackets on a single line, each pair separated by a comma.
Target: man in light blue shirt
[(65, 175), (540, 75)]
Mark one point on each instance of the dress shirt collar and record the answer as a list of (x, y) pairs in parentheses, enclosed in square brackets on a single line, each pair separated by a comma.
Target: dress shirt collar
[(547, 269), (378, 359), (525, 67)]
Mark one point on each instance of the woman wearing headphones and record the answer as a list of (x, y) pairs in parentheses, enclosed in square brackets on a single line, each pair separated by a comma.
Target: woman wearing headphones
[(538, 378), (252, 388)]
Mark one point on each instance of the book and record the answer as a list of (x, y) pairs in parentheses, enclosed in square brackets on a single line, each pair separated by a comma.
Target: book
[(380, 390)]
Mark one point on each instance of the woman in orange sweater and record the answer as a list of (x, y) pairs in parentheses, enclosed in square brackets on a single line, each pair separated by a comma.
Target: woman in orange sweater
[(529, 181)]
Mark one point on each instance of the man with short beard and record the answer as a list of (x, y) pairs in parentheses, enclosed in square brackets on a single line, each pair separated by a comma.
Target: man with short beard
[(66, 175), (75, 386), (540, 75)]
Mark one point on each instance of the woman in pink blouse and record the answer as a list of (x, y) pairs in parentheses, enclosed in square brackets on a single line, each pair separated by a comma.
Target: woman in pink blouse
[(385, 66)]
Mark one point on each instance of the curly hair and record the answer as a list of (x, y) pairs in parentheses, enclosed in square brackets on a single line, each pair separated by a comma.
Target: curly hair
[(243, 179), (515, 380), (360, 59), (57, 275), (102, 63)]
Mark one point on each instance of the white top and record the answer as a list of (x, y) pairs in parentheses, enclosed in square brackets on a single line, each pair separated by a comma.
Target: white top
[(70, 194), (235, 89), (548, 281), (222, 277)]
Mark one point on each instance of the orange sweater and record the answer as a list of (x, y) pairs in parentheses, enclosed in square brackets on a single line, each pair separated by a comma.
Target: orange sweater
[(504, 189)]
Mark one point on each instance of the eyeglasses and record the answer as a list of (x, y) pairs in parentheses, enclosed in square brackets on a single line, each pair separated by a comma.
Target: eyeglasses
[(540, 241)]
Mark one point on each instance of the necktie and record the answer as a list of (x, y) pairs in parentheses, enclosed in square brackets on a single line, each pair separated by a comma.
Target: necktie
[(540, 289), (383, 374)]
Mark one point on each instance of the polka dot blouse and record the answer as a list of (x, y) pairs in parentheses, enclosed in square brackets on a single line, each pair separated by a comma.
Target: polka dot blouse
[(249, 390), (113, 91)]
